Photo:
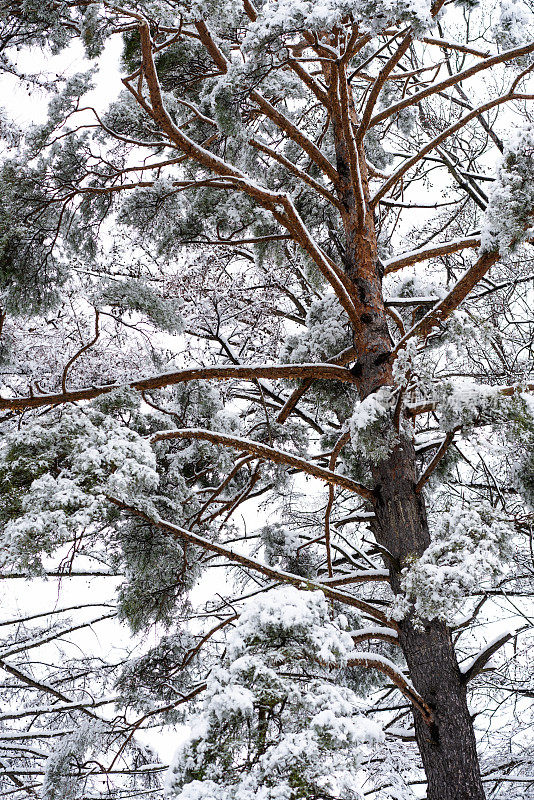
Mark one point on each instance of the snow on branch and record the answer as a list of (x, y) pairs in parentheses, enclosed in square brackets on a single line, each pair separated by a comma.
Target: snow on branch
[(56, 709), (54, 635), (251, 563), (361, 576), (426, 253), (424, 407), (223, 372), (510, 212), (387, 667), (265, 451), (410, 162), (278, 204), (476, 664), (365, 634), (442, 310), (29, 680)]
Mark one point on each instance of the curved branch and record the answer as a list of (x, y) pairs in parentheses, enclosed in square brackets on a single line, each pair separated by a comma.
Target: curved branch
[(256, 566), (436, 460), (388, 668), (479, 662), (265, 451), (344, 357), (365, 634)]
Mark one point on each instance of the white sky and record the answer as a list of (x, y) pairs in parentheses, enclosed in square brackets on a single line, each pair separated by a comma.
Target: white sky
[(29, 106)]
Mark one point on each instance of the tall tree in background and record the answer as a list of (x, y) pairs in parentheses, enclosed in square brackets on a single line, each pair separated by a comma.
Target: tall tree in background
[(297, 194)]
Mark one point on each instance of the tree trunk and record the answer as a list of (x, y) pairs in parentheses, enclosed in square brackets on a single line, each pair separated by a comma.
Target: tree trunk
[(447, 746)]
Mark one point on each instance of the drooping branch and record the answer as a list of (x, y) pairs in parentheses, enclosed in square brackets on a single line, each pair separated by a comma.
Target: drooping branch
[(477, 664), (266, 452), (22, 619), (390, 669), (45, 639), (256, 566), (46, 688)]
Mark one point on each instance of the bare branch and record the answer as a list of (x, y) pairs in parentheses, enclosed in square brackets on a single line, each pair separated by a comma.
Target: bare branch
[(442, 451), (80, 352), (508, 55), (403, 169)]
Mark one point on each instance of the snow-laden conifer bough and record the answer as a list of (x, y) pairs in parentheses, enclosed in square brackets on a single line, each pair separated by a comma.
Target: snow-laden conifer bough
[(267, 398)]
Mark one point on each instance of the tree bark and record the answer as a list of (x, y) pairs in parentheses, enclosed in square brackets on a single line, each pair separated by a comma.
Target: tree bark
[(447, 745)]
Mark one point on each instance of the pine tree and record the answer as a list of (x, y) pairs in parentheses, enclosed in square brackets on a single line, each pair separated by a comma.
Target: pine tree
[(273, 263)]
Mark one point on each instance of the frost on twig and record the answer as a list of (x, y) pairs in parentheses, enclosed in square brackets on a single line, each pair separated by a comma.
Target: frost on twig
[(509, 216), (469, 547)]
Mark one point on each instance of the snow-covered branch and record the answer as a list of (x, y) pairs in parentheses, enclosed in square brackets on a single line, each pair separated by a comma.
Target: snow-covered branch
[(265, 451), (223, 372)]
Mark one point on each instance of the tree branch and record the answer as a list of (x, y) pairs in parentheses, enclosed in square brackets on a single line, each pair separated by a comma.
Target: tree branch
[(413, 99), (387, 667), (425, 253), (479, 662), (442, 310), (226, 372), (265, 451), (256, 566), (403, 169)]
